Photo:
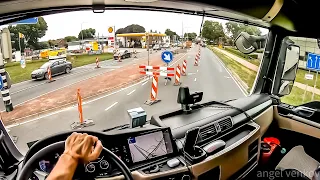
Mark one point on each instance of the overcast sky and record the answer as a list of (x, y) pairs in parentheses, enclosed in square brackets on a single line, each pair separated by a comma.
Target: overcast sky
[(69, 24)]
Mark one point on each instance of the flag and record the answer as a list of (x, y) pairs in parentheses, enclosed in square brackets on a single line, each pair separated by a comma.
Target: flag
[(21, 35)]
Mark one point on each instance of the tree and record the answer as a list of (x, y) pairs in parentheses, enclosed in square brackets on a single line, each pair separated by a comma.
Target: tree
[(170, 33), (236, 28), (70, 38), (133, 28), (32, 33), (44, 45), (212, 30), (87, 33), (120, 31), (191, 36)]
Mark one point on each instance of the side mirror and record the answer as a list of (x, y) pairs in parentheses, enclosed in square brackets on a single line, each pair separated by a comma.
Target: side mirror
[(248, 43), (288, 64)]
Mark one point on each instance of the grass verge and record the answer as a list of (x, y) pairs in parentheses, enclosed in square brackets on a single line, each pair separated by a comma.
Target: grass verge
[(19, 74), (296, 97), (243, 56), (246, 75)]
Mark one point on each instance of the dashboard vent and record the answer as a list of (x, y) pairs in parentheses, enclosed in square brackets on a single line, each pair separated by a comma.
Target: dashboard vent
[(224, 124), (207, 131), (214, 128)]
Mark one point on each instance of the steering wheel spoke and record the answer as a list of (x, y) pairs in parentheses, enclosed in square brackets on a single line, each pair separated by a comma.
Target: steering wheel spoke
[(40, 174)]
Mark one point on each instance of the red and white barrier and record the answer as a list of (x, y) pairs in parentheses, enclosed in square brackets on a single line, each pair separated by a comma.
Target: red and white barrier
[(184, 68), (49, 75), (97, 63), (154, 91), (196, 61), (178, 75), (164, 74), (154, 88), (157, 68)]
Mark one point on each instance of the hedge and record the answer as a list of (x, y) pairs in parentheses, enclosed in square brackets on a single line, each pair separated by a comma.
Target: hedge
[(236, 52)]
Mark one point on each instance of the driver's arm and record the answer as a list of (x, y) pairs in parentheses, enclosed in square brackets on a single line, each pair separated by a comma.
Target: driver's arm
[(79, 148)]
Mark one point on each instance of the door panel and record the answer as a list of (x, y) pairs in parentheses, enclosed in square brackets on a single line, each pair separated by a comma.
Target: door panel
[(297, 124), (309, 111), (293, 131)]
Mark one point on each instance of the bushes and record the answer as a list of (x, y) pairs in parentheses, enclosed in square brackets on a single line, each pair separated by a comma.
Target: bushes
[(238, 53)]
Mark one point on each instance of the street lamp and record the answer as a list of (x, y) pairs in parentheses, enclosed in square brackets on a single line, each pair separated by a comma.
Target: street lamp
[(82, 34)]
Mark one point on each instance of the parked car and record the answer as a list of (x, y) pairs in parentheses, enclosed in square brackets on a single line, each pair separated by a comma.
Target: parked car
[(167, 45), (56, 66), (122, 53), (156, 47)]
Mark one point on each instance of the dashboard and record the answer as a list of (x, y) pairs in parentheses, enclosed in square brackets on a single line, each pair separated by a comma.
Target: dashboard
[(134, 148), (147, 150)]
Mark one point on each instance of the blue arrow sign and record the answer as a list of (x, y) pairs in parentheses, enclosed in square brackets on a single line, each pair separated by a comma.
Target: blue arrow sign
[(313, 61), (28, 21), (167, 56), (1, 83)]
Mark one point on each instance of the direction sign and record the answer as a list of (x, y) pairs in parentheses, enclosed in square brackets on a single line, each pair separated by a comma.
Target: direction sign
[(313, 61), (167, 56), (1, 83), (28, 21)]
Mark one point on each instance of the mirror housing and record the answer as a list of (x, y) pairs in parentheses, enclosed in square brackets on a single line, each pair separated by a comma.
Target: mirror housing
[(287, 67), (247, 44)]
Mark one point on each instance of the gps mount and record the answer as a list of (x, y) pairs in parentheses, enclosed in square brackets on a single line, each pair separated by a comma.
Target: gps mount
[(186, 99)]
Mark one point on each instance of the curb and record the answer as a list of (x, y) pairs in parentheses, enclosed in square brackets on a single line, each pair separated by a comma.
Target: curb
[(237, 80)]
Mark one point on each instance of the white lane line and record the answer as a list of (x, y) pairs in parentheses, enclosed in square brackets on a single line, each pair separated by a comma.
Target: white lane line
[(178, 59), (72, 106), (111, 106), (115, 92), (195, 79), (61, 88), (131, 92), (144, 83), (198, 70), (20, 90), (242, 89)]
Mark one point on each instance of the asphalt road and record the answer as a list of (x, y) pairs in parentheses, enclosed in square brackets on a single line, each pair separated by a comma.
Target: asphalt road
[(110, 110), (29, 90)]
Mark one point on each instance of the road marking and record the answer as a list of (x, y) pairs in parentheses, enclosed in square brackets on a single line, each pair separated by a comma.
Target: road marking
[(62, 87), (198, 70), (195, 79), (131, 92), (72, 106), (144, 83), (111, 106), (115, 92), (191, 73), (227, 77), (236, 82), (20, 90)]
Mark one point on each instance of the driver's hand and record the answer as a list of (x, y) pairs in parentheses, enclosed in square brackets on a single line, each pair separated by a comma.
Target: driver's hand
[(83, 147)]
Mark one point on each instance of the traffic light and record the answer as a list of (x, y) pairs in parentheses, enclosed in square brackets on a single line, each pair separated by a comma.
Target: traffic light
[(6, 44)]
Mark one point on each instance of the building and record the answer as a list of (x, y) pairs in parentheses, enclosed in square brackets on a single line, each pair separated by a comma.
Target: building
[(307, 45), (138, 40)]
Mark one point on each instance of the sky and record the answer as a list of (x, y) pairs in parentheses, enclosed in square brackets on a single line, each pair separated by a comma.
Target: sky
[(69, 24)]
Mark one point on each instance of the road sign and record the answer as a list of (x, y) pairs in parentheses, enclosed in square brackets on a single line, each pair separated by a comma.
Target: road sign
[(167, 56), (23, 62), (1, 83), (28, 21), (313, 61), (308, 76)]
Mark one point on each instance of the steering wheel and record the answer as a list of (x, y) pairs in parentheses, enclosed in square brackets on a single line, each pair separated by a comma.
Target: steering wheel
[(30, 165)]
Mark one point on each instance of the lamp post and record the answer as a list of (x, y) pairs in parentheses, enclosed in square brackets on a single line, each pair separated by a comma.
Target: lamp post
[(82, 34)]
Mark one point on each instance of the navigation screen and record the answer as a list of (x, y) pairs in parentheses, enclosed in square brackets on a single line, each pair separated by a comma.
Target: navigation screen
[(149, 146)]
